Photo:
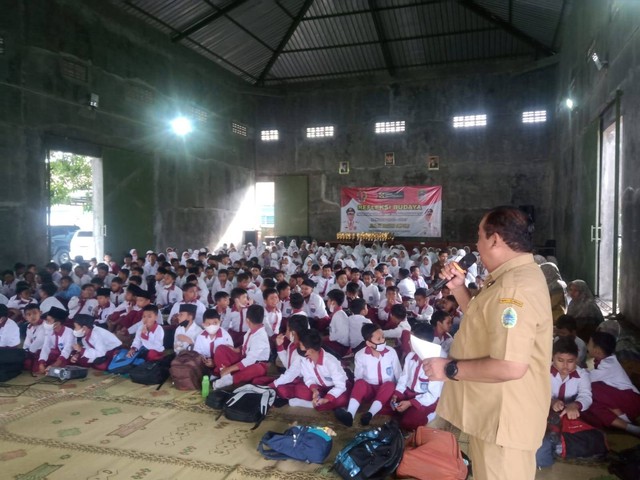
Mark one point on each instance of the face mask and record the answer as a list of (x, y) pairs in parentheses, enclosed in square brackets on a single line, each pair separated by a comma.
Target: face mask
[(291, 338), (78, 333), (184, 324), (212, 329), (48, 327), (302, 353), (380, 346), (331, 308)]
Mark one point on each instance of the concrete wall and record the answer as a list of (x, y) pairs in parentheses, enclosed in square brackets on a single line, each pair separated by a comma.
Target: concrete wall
[(505, 163), (198, 181), (612, 27)]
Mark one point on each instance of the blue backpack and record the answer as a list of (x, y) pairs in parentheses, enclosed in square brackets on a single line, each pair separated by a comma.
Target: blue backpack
[(307, 444), (122, 365)]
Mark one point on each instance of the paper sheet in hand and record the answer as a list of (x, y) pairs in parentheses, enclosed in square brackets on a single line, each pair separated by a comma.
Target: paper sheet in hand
[(425, 349)]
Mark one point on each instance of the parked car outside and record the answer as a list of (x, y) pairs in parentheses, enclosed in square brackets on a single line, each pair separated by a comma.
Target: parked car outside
[(82, 245), (61, 236)]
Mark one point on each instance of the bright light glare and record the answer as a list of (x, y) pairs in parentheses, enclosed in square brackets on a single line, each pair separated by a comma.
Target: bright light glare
[(181, 126), (569, 103)]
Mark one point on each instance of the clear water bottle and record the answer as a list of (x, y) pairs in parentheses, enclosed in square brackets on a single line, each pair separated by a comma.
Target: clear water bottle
[(206, 385)]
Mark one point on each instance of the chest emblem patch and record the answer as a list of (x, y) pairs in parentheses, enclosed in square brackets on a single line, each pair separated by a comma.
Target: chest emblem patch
[(509, 318)]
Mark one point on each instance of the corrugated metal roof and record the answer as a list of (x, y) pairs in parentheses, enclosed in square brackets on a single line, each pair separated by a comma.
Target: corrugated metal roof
[(334, 38)]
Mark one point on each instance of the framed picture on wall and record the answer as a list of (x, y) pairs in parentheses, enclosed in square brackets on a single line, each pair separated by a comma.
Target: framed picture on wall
[(343, 168), (433, 162), (389, 159)]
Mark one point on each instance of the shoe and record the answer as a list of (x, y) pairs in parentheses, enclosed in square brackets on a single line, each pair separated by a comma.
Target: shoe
[(280, 402), (343, 416), (365, 419)]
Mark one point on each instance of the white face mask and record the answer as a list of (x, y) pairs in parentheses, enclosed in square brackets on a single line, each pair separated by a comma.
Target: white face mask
[(212, 329), (381, 346), (78, 333), (48, 327), (332, 308), (291, 338)]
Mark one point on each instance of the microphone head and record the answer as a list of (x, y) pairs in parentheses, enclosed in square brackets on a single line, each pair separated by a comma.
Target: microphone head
[(468, 260)]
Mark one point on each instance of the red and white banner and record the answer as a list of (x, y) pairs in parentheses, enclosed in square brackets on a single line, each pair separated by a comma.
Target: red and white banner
[(404, 211)]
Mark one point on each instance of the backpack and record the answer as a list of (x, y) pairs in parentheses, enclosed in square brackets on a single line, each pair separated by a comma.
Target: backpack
[(11, 363), (121, 364), (186, 371), (371, 454), (626, 464), (217, 398), (151, 373), (307, 444), (578, 439), (431, 454), (249, 403)]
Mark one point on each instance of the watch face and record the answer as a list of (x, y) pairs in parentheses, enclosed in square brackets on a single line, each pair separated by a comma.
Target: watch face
[(451, 370)]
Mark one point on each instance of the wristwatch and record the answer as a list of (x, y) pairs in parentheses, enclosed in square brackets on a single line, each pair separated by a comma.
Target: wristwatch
[(451, 370)]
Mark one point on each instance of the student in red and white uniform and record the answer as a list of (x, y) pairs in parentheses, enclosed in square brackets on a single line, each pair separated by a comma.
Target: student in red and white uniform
[(58, 342), (314, 306), (210, 339), (399, 328), (21, 299), (356, 321), (94, 347), (418, 281), (125, 307), (130, 323), (105, 308), (9, 330), (237, 324), (189, 295), (168, 294), (296, 301), (255, 276), (377, 369), (421, 310), (48, 299), (35, 336), (150, 336), (416, 397), (222, 283), (187, 330), (257, 296), (340, 283), (325, 382), (616, 401), (117, 292), (325, 281), (384, 307), (272, 314), (338, 340), (84, 304), (370, 291), (406, 285), (570, 384), (79, 276), (221, 301), (441, 322), (249, 361), (284, 292)]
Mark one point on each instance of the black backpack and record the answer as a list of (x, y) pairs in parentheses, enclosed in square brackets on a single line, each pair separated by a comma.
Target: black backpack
[(217, 398), (373, 454), (248, 403), (11, 363), (151, 373)]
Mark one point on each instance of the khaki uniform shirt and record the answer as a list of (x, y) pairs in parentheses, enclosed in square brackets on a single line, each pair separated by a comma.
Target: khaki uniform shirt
[(510, 319)]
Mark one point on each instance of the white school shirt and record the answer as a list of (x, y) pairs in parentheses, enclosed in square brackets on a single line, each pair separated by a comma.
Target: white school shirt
[(152, 340), (180, 281), (237, 320), (328, 372), (422, 313), (209, 282), (168, 295), (80, 305), (611, 372), (292, 361), (9, 289), (272, 321), (9, 334), (383, 315), (18, 303), (199, 312), (255, 347), (49, 302), (98, 343), (192, 332), (355, 329), (3, 300), (413, 378), (314, 306), (149, 269), (407, 288), (371, 295), (339, 328), (397, 331), (203, 295), (80, 281), (285, 308), (323, 285), (256, 297), (419, 282), (102, 314), (445, 342), (34, 339), (117, 298), (376, 371), (217, 287), (204, 342), (577, 387), (225, 319), (63, 342)]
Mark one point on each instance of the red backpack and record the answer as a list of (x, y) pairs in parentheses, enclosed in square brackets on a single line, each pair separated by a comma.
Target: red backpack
[(431, 454)]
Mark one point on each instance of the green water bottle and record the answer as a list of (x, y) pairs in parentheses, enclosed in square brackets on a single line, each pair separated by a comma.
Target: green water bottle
[(205, 386)]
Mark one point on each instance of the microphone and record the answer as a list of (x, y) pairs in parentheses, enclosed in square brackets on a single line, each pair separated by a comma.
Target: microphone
[(462, 265)]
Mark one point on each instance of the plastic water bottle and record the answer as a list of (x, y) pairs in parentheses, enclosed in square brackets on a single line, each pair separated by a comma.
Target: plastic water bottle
[(205, 386)]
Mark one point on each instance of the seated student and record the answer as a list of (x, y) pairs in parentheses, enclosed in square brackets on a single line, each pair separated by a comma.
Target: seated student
[(248, 362), (418, 280), (9, 330), (352, 292), (117, 292), (338, 340), (128, 324), (221, 300), (370, 291), (190, 296), (450, 305), (272, 314), (422, 311), (616, 401), (21, 299), (325, 381), (356, 321), (150, 336), (94, 347), (47, 292), (168, 294), (441, 322), (384, 308), (239, 305), (284, 292), (222, 284), (570, 384), (187, 330), (257, 295), (210, 339), (67, 289), (314, 306), (297, 304), (566, 327), (35, 336), (104, 309), (124, 308), (416, 397), (377, 369), (398, 327), (58, 341), (85, 303)]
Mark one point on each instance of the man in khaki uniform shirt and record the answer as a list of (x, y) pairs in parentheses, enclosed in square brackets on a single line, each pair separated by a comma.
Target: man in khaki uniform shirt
[(499, 391)]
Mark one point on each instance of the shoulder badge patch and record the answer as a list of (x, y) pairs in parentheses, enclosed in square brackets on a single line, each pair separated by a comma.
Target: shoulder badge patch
[(511, 301), (509, 318)]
